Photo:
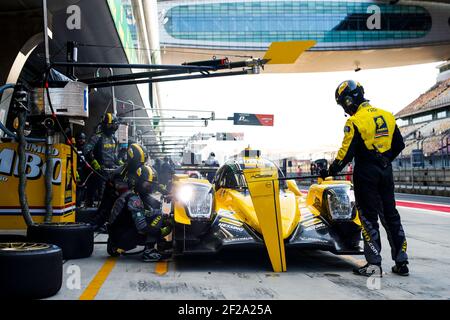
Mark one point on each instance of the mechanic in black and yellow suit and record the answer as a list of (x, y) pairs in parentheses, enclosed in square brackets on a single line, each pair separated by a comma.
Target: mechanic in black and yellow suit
[(133, 222), (101, 152), (373, 139)]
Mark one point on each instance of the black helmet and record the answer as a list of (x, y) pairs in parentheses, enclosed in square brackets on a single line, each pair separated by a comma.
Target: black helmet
[(349, 95), (110, 122), (80, 136), (145, 179), (136, 156), (146, 173)]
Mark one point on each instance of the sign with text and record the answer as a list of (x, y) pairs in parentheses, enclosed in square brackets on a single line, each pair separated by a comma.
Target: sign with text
[(251, 119)]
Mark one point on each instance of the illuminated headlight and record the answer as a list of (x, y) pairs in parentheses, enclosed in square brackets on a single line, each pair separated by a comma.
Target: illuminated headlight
[(341, 201), (197, 198)]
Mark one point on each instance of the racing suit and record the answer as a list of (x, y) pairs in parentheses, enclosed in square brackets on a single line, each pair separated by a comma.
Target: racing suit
[(373, 139), (101, 149), (120, 181), (132, 223)]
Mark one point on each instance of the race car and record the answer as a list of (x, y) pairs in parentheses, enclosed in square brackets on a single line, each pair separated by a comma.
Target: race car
[(251, 204)]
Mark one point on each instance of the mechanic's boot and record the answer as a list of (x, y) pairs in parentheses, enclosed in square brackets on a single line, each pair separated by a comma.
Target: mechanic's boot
[(111, 249), (164, 246), (369, 270), (401, 269), (153, 255)]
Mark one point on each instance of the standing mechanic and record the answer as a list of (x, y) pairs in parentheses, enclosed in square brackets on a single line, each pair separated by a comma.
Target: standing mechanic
[(101, 152), (133, 222), (373, 139), (82, 172)]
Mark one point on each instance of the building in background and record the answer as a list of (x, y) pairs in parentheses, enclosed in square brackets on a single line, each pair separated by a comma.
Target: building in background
[(425, 124), (350, 34)]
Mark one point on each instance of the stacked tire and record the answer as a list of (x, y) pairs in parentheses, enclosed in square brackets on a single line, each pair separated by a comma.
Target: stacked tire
[(32, 266), (76, 239), (30, 270)]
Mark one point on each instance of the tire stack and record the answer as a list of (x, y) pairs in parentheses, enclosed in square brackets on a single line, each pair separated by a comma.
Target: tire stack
[(76, 239), (32, 267), (30, 270)]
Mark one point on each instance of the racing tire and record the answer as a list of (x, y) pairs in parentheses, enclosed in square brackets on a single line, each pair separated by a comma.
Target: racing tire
[(30, 270), (86, 215), (74, 238)]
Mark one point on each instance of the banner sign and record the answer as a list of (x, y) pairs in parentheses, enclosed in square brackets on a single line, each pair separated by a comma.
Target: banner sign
[(251, 119)]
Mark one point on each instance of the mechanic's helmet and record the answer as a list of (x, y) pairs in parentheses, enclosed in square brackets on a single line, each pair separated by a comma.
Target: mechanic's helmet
[(349, 95), (136, 156), (110, 123), (212, 154), (166, 159), (145, 178), (80, 139)]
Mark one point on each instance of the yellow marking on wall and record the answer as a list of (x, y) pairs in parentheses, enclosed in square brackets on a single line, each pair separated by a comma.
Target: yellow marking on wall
[(96, 284)]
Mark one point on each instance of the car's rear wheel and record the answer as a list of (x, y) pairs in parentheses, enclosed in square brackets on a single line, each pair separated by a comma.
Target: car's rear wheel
[(74, 238), (30, 270)]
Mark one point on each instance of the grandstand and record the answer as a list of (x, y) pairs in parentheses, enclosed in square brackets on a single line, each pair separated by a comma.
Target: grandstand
[(425, 123)]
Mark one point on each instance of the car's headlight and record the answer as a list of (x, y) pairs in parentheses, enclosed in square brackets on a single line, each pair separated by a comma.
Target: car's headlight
[(341, 201), (197, 198)]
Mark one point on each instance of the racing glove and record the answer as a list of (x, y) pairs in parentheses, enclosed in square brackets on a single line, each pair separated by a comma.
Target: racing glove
[(323, 173), (95, 165), (166, 231), (163, 189), (335, 167)]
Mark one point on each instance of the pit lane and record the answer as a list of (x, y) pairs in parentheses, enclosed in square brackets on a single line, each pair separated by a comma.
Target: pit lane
[(247, 274)]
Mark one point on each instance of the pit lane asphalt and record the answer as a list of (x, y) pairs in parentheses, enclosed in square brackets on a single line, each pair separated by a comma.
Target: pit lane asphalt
[(247, 275)]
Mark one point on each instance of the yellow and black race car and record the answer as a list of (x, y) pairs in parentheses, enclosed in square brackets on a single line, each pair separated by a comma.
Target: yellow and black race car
[(251, 204)]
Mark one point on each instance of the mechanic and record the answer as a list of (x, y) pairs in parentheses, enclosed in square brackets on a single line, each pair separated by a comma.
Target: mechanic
[(101, 153), (119, 181), (373, 139), (167, 171), (82, 172), (132, 222), (211, 162)]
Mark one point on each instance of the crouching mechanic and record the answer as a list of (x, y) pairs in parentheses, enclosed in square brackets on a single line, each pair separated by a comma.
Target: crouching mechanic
[(134, 223), (373, 139)]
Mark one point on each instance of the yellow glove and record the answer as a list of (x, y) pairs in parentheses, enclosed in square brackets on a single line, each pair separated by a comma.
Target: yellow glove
[(77, 177), (121, 163), (95, 165)]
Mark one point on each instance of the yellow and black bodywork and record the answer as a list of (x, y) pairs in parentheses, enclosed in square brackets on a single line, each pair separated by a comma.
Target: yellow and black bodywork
[(249, 206)]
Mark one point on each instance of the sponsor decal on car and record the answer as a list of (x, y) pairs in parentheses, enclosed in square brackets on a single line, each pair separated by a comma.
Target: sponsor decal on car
[(231, 227), (238, 239), (231, 221)]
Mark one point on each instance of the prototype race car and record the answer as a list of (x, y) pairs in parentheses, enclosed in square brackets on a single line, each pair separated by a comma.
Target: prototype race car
[(251, 204)]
